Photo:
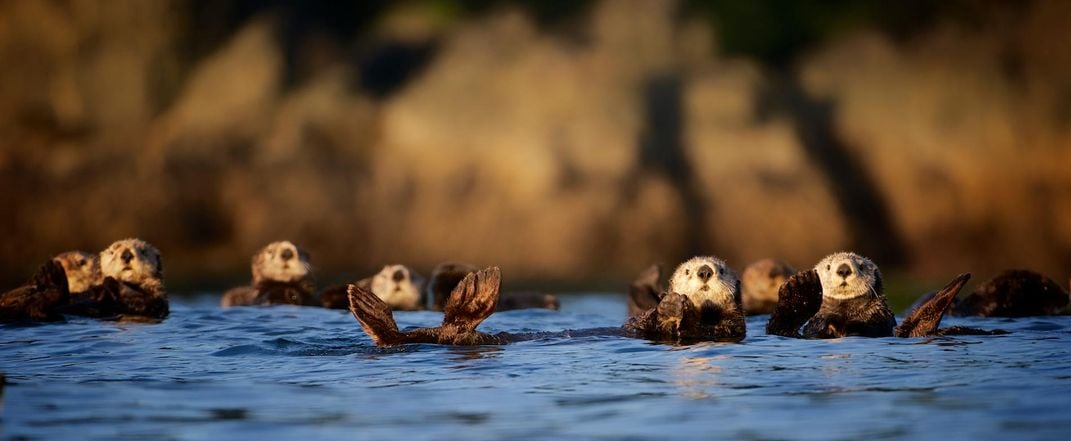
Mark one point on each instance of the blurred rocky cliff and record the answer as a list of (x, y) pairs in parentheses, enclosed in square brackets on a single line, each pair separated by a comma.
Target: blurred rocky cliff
[(570, 149)]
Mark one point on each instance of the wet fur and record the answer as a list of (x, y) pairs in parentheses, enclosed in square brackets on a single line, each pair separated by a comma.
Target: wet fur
[(802, 302), (131, 290), (1016, 293), (39, 299), (276, 281)]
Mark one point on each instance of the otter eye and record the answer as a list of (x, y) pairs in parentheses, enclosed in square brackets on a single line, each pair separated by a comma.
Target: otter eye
[(82, 262)]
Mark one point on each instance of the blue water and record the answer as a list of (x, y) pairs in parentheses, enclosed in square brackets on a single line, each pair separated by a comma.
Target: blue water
[(308, 373)]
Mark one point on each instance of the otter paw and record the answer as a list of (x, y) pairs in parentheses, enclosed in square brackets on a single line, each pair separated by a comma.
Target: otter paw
[(670, 312)]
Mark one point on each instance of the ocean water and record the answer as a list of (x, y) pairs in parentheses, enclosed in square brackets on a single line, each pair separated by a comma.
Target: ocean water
[(308, 373)]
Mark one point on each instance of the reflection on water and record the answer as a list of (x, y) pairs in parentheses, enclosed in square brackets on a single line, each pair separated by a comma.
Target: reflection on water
[(290, 372)]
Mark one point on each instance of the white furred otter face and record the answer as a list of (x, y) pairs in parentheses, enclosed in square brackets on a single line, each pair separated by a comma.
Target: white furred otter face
[(133, 261), (82, 268), (281, 262), (847, 275), (398, 286), (705, 278)]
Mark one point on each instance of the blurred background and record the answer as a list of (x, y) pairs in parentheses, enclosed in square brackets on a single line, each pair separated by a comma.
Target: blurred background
[(569, 142)]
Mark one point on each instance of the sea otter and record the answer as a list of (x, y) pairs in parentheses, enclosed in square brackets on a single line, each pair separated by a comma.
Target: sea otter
[(1016, 293), (132, 287), (39, 299), (446, 276), (281, 276), (397, 285), (82, 268), (703, 304), (844, 296), (760, 282)]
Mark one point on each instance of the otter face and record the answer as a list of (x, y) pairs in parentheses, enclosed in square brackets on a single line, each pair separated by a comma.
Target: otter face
[(398, 286), (281, 262), (703, 279), (133, 261), (847, 275), (82, 268)]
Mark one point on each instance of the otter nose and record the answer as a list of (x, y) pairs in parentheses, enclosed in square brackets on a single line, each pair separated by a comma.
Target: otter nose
[(705, 272), (398, 275), (287, 254), (844, 270), (127, 256)]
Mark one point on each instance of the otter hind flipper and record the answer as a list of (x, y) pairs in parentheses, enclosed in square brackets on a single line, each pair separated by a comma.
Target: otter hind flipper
[(374, 315), (798, 299), (644, 292), (925, 319), (473, 300)]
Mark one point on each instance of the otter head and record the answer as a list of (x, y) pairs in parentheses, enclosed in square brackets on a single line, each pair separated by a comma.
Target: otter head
[(133, 261), (398, 286), (706, 279), (82, 268), (848, 275), (761, 282), (281, 262)]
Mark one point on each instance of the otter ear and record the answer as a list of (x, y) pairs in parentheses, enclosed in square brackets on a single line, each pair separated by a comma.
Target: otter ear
[(879, 284)]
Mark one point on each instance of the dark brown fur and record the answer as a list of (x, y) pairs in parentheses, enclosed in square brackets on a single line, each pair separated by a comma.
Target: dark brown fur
[(676, 319), (1016, 293), (797, 301), (800, 303), (476, 298), (118, 300), (39, 299)]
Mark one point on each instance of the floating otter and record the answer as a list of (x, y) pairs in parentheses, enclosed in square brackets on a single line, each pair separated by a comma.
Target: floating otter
[(446, 276), (132, 287), (82, 268), (281, 276), (760, 282), (39, 299), (844, 296), (397, 285), (1015, 293), (703, 304)]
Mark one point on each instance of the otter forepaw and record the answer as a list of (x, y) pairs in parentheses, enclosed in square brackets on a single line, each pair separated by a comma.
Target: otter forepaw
[(670, 313), (797, 301), (374, 315)]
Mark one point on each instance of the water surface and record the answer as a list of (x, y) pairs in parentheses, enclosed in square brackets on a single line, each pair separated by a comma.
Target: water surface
[(304, 373)]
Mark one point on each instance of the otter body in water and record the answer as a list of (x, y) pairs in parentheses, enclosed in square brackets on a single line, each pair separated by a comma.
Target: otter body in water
[(125, 281), (39, 299), (281, 276), (1016, 293), (844, 296), (703, 304), (132, 287), (397, 285)]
